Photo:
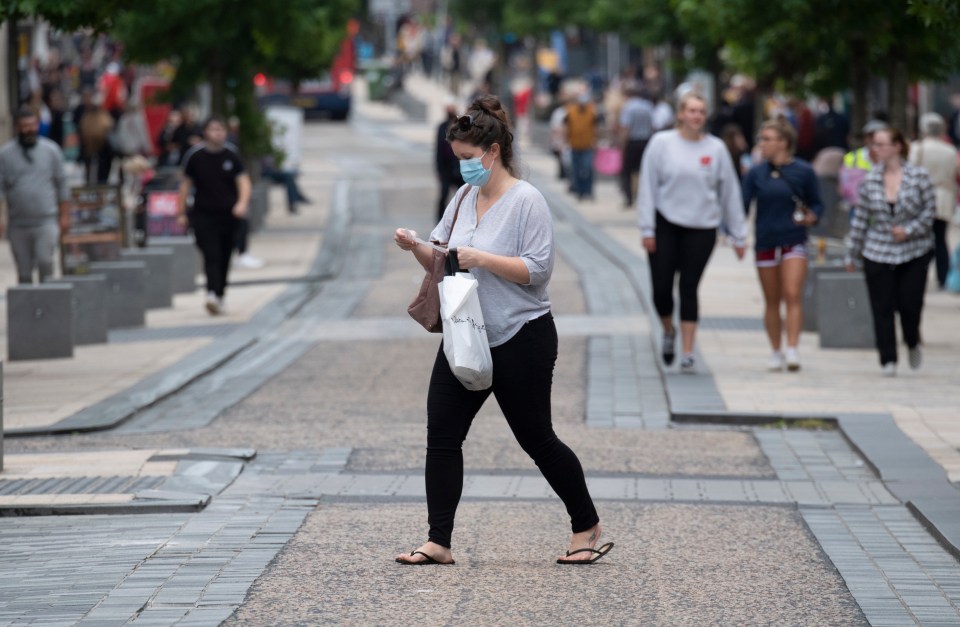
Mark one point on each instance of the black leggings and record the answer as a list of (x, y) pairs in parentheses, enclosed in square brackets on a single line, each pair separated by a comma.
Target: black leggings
[(522, 379), (896, 288), (215, 233), (684, 250)]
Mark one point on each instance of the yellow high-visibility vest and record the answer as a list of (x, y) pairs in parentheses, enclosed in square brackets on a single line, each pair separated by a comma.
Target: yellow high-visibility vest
[(858, 159)]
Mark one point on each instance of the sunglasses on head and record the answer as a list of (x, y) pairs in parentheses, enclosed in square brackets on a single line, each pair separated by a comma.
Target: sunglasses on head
[(464, 122)]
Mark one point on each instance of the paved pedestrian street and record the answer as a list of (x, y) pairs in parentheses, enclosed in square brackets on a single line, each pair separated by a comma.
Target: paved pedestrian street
[(276, 484)]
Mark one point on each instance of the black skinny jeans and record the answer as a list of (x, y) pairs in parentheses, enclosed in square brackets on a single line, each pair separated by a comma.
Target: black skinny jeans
[(680, 250), (522, 380), (215, 233), (894, 288)]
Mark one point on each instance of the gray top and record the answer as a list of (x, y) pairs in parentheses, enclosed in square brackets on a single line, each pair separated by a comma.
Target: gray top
[(32, 190), (517, 225), (637, 117), (691, 184)]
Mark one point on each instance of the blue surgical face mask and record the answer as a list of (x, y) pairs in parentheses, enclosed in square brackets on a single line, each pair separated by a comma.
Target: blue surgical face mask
[(473, 171)]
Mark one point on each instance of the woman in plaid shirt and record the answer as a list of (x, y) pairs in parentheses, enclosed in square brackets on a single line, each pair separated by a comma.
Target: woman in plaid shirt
[(892, 229)]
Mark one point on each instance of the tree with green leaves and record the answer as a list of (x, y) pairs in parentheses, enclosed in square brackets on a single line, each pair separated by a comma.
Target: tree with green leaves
[(533, 18), (225, 43), (62, 14), (66, 14), (653, 23)]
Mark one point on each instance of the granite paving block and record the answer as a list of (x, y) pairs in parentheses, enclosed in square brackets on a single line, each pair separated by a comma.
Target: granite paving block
[(126, 296), (186, 264), (89, 295), (40, 322), (158, 275), (844, 317)]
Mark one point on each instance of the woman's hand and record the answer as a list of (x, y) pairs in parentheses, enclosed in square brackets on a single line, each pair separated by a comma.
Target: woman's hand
[(468, 257), (405, 239), (649, 244), (740, 251), (899, 233)]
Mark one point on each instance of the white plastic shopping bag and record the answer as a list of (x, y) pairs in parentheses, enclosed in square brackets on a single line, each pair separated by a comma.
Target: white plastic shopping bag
[(464, 335)]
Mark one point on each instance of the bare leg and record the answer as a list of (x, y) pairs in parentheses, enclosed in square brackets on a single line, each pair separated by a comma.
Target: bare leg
[(794, 273), (688, 334), (770, 282)]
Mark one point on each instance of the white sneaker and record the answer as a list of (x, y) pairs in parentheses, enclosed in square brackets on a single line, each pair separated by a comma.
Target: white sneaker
[(688, 365), (213, 304), (792, 359), (890, 369), (246, 260), (916, 357), (775, 363)]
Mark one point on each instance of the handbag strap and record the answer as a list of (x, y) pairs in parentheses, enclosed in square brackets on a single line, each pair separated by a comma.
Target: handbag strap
[(456, 213), (783, 177)]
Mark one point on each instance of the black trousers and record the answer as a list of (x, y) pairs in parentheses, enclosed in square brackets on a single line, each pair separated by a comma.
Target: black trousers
[(632, 158), (522, 381), (894, 288), (241, 235), (684, 251), (941, 251), (215, 234)]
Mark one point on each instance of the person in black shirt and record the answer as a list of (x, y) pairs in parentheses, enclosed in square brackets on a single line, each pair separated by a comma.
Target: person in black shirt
[(221, 191), (447, 164)]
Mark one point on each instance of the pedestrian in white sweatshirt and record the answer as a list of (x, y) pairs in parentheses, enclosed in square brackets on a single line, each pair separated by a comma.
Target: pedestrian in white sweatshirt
[(688, 187)]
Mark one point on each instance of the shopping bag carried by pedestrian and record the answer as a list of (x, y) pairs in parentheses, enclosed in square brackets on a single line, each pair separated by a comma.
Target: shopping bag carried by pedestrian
[(425, 306), (952, 283), (464, 335), (608, 160)]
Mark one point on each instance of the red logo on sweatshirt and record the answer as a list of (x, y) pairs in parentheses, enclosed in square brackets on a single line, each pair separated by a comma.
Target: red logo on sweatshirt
[(705, 160)]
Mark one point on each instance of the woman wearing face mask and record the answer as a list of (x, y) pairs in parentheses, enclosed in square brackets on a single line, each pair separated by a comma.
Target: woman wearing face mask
[(504, 237), (688, 186)]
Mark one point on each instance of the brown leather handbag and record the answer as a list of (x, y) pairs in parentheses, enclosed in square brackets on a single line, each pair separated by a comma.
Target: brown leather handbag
[(425, 306)]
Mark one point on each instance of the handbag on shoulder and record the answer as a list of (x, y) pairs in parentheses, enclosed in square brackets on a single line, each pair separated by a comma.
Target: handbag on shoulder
[(425, 306)]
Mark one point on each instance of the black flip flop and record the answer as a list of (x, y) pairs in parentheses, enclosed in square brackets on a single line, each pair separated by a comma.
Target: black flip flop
[(426, 561), (597, 554)]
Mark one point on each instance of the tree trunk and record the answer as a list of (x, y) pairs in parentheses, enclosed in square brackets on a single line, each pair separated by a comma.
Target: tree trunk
[(859, 83), (897, 86), (218, 89), (5, 79), (715, 69), (760, 96)]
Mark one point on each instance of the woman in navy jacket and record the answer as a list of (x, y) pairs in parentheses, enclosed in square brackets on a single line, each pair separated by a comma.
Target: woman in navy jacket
[(788, 201)]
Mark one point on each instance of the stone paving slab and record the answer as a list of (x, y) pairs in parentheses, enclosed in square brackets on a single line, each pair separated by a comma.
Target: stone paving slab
[(149, 481), (882, 549), (529, 486)]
